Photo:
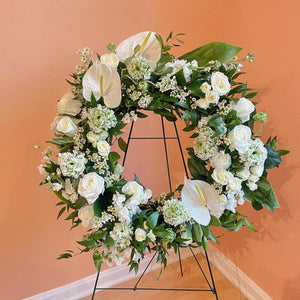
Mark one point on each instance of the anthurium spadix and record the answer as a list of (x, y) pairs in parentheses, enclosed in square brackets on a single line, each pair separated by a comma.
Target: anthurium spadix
[(149, 47), (103, 81), (196, 196)]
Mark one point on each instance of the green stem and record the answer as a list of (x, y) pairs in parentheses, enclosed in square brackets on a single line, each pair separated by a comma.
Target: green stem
[(258, 131)]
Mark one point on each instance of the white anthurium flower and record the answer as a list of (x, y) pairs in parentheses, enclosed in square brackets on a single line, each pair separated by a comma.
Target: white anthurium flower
[(103, 81), (149, 47), (196, 196)]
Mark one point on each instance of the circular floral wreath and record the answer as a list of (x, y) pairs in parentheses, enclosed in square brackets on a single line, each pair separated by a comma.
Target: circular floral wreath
[(227, 163)]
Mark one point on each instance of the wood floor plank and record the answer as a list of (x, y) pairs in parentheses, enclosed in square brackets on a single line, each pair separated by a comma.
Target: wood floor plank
[(171, 278)]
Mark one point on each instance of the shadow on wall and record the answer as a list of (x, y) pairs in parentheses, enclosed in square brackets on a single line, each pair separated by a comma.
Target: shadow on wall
[(291, 285)]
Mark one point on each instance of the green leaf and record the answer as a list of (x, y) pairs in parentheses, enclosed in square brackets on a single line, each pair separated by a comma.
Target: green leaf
[(266, 189), (213, 51), (205, 230), (152, 219), (249, 225), (251, 95), (98, 235), (141, 115), (204, 243), (217, 124), (213, 238), (198, 171), (114, 157), (197, 233), (214, 221), (283, 152), (64, 255), (122, 144), (61, 212), (238, 225), (97, 260), (72, 215), (88, 243), (109, 241), (273, 160), (111, 47)]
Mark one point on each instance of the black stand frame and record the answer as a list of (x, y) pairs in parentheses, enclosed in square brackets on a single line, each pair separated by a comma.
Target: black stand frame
[(212, 287)]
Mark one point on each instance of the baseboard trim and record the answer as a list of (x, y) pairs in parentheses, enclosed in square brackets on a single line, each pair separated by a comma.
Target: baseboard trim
[(235, 275), (116, 275)]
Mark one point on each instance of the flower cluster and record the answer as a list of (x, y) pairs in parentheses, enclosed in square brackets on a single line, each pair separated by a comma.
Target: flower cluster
[(227, 162)]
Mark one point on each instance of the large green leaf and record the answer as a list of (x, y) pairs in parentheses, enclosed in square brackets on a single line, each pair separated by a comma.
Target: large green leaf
[(274, 158), (213, 51), (97, 260)]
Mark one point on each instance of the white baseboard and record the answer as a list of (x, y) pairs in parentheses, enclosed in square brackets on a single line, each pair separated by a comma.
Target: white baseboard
[(113, 276)]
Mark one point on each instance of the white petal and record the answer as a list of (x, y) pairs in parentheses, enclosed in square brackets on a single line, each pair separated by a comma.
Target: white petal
[(152, 50), (111, 84), (193, 202)]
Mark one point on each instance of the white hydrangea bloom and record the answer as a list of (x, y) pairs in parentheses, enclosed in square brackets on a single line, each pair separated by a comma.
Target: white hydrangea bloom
[(174, 212), (72, 164)]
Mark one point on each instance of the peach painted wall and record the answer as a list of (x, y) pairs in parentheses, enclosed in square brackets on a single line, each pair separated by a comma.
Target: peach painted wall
[(39, 39)]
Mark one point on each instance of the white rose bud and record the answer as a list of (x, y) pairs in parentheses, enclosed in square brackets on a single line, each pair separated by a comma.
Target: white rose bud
[(257, 170), (220, 83), (251, 185), (220, 160), (235, 184), (212, 97), (86, 214), (205, 87), (91, 186), (110, 59), (93, 137), (240, 136), (244, 108), (140, 234), (103, 148), (66, 126), (67, 104), (184, 235), (202, 103), (221, 176), (244, 174)]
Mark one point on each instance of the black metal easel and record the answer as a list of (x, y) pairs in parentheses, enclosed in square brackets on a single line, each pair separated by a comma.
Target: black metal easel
[(211, 285)]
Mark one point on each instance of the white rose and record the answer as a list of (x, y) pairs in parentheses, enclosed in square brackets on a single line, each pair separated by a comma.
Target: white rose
[(103, 148), (110, 59), (147, 195), (67, 104), (220, 160), (137, 192), (202, 103), (244, 174), (251, 185), (66, 126), (244, 108), (86, 214), (257, 170), (221, 176), (235, 184), (205, 87), (240, 136), (212, 96), (91, 186), (220, 83), (140, 234)]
